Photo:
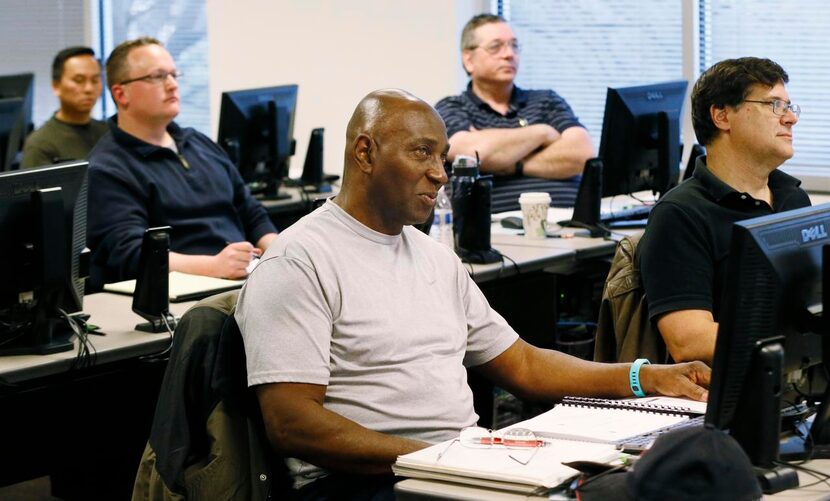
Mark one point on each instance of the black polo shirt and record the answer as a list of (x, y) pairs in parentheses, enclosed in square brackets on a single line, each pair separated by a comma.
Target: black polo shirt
[(526, 107), (683, 252)]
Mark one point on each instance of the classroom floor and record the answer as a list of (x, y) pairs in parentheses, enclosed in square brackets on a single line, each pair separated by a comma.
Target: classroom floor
[(37, 489)]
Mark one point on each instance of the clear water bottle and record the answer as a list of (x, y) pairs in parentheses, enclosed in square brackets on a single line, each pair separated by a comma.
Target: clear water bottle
[(441, 229)]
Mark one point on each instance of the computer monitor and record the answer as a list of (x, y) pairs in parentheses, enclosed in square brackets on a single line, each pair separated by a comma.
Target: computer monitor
[(16, 100), (43, 259), (12, 131), (771, 333), (640, 143), (256, 129)]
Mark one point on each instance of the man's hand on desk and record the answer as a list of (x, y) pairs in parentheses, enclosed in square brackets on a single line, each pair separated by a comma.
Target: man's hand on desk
[(231, 262), (688, 380)]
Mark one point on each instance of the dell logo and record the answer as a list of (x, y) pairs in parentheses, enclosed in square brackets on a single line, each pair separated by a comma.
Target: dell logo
[(813, 233), (654, 95)]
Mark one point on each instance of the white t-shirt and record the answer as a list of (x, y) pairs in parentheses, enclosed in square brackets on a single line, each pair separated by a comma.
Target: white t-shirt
[(386, 322)]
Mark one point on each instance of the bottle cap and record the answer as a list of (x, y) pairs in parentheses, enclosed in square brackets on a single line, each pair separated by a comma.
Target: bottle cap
[(464, 165)]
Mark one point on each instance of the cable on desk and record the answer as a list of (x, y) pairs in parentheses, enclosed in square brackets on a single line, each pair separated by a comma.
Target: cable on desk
[(12, 327), (503, 257), (470, 269), (822, 477), (20, 329), (165, 351), (515, 264), (87, 355)]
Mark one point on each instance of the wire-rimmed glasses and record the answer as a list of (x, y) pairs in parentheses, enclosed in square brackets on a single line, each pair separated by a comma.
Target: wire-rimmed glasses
[(779, 107), (495, 47), (477, 437), (158, 77)]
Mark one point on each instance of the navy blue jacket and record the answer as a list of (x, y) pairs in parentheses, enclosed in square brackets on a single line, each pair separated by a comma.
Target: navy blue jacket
[(134, 185)]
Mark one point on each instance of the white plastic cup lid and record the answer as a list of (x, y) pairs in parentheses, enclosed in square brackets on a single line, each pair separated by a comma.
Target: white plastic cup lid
[(534, 197)]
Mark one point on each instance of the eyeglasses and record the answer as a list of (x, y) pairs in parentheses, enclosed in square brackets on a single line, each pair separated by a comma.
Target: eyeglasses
[(779, 107), (157, 78), (496, 46), (477, 437)]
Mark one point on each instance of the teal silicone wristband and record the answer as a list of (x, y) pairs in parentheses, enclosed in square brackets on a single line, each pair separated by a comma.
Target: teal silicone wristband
[(634, 377)]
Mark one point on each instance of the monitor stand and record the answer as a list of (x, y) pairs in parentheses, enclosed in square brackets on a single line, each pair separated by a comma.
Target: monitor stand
[(48, 335), (319, 188), (588, 201), (268, 191)]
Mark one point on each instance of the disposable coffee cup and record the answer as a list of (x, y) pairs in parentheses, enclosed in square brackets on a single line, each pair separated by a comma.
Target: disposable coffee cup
[(535, 207)]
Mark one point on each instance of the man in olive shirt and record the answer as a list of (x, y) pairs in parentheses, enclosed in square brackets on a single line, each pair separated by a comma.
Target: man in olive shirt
[(71, 133)]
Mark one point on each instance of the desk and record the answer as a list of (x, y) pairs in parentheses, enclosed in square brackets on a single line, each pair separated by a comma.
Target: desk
[(582, 247), (420, 490), (520, 259), (85, 427), (113, 313), (91, 424)]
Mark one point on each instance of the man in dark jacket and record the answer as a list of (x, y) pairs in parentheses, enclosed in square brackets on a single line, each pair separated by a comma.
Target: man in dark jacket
[(151, 172)]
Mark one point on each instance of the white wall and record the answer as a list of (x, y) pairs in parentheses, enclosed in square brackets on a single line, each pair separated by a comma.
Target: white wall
[(336, 52)]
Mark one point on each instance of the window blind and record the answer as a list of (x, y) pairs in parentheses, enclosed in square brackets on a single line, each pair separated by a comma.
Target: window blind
[(578, 48), (31, 33), (792, 33), (181, 25)]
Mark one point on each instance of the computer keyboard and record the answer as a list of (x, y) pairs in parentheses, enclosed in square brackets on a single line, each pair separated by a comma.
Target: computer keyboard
[(641, 442), (630, 214)]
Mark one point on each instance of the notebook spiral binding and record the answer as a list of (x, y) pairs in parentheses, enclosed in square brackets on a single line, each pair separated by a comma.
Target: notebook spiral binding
[(632, 405)]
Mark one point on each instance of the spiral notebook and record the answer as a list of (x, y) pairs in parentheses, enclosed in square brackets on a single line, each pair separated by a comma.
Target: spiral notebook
[(611, 421), (494, 468)]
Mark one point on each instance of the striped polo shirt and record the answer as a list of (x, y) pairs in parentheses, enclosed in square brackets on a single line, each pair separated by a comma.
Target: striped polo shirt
[(527, 107)]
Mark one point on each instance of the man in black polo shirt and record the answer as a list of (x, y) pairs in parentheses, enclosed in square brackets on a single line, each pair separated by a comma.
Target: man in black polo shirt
[(516, 132), (741, 112)]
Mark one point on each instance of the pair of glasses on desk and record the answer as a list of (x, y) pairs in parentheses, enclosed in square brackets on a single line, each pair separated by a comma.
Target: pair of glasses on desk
[(476, 437)]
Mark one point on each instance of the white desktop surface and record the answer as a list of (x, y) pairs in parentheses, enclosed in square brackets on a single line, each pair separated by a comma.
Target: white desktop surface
[(113, 314), (412, 489)]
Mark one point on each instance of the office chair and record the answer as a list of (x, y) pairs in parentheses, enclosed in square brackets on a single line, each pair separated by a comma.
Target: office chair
[(208, 440), (697, 150), (624, 331)]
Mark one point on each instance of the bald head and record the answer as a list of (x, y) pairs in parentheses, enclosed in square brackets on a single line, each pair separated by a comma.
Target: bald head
[(396, 145), (381, 110)]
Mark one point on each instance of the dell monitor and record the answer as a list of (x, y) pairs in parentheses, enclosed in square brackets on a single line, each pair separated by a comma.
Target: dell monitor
[(256, 129), (640, 144), (771, 335), (43, 257)]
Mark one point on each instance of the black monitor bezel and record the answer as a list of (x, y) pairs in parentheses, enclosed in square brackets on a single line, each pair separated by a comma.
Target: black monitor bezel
[(631, 162), (764, 330), (24, 231), (244, 127)]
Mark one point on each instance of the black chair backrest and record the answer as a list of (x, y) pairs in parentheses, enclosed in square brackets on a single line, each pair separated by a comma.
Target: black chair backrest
[(697, 150)]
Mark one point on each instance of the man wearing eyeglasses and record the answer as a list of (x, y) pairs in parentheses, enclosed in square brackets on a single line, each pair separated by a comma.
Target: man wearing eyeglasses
[(150, 172), (742, 114), (71, 132), (515, 132), (358, 327)]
